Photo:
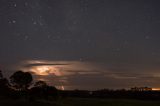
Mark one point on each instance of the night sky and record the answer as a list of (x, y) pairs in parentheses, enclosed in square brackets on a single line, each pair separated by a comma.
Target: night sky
[(82, 44)]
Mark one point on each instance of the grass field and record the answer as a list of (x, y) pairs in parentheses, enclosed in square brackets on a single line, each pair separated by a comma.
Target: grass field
[(81, 102), (108, 102)]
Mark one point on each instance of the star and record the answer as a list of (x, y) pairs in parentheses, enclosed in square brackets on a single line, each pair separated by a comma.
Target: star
[(15, 5), (26, 37), (147, 37), (26, 4), (12, 21), (49, 36), (35, 23)]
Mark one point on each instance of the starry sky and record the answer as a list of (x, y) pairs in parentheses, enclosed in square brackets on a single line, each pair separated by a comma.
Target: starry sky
[(82, 44)]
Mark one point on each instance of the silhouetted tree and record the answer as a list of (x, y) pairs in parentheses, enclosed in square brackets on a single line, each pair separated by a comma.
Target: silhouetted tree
[(40, 84), (1, 75), (4, 85), (42, 90), (21, 80)]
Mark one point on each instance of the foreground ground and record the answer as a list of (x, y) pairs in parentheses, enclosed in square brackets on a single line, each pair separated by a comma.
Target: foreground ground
[(81, 102)]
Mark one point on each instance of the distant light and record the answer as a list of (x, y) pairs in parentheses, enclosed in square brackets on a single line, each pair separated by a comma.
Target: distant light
[(156, 89), (62, 88)]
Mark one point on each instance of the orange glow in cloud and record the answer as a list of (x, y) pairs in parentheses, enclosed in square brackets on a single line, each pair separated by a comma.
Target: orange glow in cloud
[(45, 70)]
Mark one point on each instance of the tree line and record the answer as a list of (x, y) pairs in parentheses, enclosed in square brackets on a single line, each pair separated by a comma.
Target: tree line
[(19, 86)]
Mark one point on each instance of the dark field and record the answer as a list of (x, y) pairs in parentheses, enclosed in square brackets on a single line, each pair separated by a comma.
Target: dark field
[(81, 102)]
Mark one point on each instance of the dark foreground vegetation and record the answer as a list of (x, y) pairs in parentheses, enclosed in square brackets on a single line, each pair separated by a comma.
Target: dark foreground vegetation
[(81, 102), (17, 91)]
